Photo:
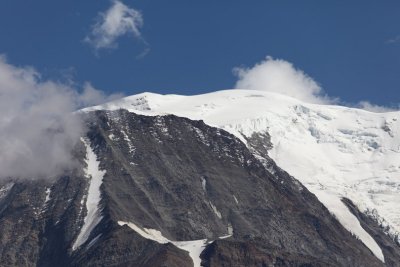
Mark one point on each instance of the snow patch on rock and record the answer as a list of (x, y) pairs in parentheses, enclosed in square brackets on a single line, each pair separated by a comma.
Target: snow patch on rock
[(93, 215), (215, 210), (47, 199), (194, 247), (5, 189), (203, 183)]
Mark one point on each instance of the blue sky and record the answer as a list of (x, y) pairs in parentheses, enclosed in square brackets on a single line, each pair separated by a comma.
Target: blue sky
[(350, 48)]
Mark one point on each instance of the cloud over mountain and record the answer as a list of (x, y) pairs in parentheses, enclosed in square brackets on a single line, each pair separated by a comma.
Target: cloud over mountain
[(280, 76), (37, 127)]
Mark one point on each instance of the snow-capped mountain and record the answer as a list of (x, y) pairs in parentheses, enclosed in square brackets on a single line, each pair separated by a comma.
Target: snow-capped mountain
[(201, 181), (336, 152)]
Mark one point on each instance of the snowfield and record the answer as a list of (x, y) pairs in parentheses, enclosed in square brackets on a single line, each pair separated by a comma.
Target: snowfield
[(334, 151)]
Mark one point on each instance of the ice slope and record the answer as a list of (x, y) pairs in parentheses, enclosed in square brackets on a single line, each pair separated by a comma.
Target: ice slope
[(334, 151), (93, 215)]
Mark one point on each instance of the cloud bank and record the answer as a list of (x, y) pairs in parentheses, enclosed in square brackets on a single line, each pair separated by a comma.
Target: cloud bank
[(117, 21), (37, 127), (280, 76)]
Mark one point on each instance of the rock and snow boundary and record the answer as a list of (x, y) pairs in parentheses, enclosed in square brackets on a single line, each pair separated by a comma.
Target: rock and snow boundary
[(193, 247), (334, 151), (350, 222)]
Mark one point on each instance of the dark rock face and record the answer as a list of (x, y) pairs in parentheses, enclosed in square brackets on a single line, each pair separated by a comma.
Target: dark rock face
[(34, 232), (239, 253), (186, 179)]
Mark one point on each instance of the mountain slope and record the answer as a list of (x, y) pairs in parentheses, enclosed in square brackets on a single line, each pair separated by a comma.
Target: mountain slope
[(166, 178), (334, 151)]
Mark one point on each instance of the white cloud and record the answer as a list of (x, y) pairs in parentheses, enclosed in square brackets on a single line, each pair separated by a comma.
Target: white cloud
[(117, 21), (90, 96), (394, 40), (37, 127), (366, 105), (280, 76)]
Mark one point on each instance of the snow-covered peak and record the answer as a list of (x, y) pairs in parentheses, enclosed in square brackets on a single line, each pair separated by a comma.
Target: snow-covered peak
[(335, 151)]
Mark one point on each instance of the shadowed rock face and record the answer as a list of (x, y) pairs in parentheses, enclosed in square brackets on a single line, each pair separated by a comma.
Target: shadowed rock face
[(186, 179)]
